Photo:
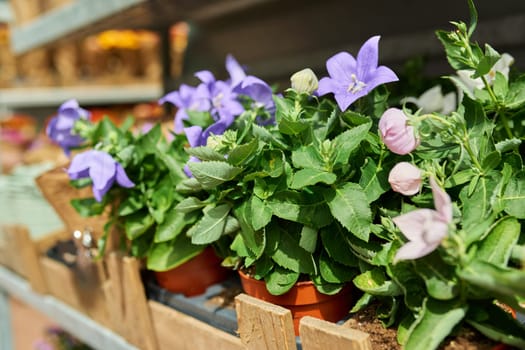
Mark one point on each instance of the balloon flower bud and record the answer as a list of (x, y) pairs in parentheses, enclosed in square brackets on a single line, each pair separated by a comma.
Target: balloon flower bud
[(304, 81), (396, 133), (405, 178)]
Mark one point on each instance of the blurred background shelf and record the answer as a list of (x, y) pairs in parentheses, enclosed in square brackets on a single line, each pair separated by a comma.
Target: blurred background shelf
[(86, 95), (71, 320)]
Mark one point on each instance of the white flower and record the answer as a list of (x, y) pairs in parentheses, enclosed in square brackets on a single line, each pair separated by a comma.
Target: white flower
[(502, 66), (433, 100)]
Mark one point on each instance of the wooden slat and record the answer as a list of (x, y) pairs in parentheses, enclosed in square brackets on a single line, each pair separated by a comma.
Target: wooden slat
[(264, 325), (317, 334), (61, 282), (176, 330)]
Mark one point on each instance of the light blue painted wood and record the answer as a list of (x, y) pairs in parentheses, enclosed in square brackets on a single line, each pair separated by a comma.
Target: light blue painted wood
[(6, 341), (69, 319), (65, 20)]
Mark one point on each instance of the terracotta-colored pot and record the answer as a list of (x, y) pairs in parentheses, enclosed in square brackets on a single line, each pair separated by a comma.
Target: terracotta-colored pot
[(195, 275), (302, 300)]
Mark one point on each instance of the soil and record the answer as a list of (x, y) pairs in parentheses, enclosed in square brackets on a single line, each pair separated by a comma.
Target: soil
[(385, 339)]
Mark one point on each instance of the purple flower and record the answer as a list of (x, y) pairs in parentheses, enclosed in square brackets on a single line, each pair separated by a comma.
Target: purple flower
[(351, 79), (256, 89), (61, 126), (187, 98), (396, 133), (101, 168), (425, 228)]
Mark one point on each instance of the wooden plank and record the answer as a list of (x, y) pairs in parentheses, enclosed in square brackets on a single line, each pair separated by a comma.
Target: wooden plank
[(113, 291), (176, 330), (81, 326), (136, 307), (264, 325), (60, 281), (316, 334)]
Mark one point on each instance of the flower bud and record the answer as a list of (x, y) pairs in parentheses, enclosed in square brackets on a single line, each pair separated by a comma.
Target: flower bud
[(396, 133), (405, 178), (304, 81)]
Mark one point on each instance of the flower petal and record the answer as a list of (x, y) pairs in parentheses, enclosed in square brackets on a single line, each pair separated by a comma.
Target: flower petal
[(205, 76), (326, 86), (237, 74), (122, 178), (180, 117), (379, 76), (442, 201), (102, 170), (414, 250), (341, 66), (345, 99), (416, 223), (171, 97), (367, 58), (80, 165), (194, 135)]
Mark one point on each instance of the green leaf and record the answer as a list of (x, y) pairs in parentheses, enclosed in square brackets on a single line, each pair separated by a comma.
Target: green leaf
[(333, 272), (325, 287), (508, 145), (291, 256), (254, 240), (242, 154), (497, 247), (497, 324), (131, 204), (307, 210), (190, 185), (374, 282), (308, 240), (500, 86), (261, 213), (348, 141), (205, 153), (476, 207), (190, 204), (167, 255), (362, 302), (487, 62), (308, 177), (307, 157), (137, 223), (289, 126), (473, 18), (491, 161), (459, 178), (493, 278), (516, 96), (273, 163), (336, 245), (211, 227), (88, 206), (280, 280), (174, 224), (440, 279), (514, 196), (374, 181), (263, 266), (349, 205), (211, 174), (140, 246), (436, 321)]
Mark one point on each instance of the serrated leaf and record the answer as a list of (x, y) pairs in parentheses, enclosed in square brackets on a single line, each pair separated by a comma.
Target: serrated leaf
[(190, 204), (174, 224), (167, 255), (130, 205), (308, 177), (137, 223), (348, 141), (491, 161), (211, 227), (204, 153), (325, 287), (291, 256), (254, 240), (374, 282), (211, 174), (333, 272), (87, 207), (280, 280), (261, 214), (514, 196), (308, 240), (373, 181), (336, 245), (434, 323), (307, 157), (349, 205), (497, 247), (296, 207), (439, 278), (243, 153), (190, 185)]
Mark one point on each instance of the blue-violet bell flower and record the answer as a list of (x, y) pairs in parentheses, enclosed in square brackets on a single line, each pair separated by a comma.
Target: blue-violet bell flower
[(60, 127), (187, 98), (350, 78), (101, 168)]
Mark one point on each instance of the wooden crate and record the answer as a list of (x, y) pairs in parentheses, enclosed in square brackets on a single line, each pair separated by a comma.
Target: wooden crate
[(262, 326), (20, 254)]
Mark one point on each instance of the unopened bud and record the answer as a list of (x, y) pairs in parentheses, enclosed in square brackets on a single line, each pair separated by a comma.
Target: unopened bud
[(304, 81)]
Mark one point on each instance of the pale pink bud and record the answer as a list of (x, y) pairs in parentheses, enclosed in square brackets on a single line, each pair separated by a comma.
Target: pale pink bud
[(396, 133), (405, 178)]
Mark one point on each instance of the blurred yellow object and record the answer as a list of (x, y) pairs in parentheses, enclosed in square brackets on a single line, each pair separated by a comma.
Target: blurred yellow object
[(119, 39)]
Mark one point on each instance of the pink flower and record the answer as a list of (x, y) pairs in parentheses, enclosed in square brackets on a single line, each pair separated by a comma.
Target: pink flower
[(425, 228), (405, 178), (397, 135)]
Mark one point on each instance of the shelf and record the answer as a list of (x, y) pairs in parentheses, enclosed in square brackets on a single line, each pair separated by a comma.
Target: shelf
[(84, 17), (6, 15), (71, 320), (86, 95)]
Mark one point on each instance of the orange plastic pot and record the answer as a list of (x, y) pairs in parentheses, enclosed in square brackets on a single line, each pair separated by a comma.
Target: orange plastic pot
[(302, 300), (194, 276)]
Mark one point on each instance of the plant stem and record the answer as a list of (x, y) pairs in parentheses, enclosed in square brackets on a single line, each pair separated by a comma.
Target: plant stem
[(498, 107), (466, 145)]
